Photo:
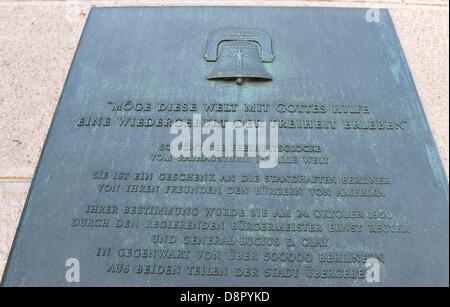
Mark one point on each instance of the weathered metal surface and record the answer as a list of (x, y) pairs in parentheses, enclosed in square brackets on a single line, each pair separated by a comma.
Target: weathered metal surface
[(358, 177)]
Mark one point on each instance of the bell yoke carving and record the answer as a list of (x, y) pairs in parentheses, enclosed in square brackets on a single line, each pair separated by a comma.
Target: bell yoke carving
[(240, 54)]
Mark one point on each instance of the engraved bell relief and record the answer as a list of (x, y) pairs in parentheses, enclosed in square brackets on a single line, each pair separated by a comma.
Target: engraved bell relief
[(239, 54)]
